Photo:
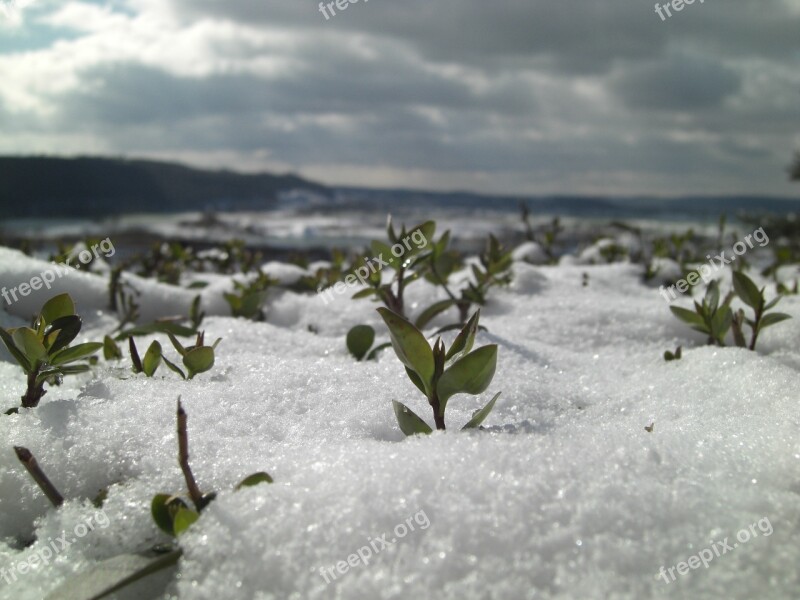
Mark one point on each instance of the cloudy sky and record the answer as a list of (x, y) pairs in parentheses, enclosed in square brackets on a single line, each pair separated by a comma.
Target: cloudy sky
[(509, 96)]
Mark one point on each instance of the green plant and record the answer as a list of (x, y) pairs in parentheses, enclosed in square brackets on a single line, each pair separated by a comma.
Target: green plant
[(749, 293), (122, 298), (401, 256), (789, 290), (359, 341), (248, 302), (677, 355), (440, 373), (709, 317), (174, 514), (197, 359), (152, 358), (494, 270), (196, 315), (43, 350)]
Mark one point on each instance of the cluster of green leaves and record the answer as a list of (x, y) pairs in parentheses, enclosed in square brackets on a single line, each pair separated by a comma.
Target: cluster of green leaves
[(709, 316), (323, 277), (403, 265), (248, 301), (716, 319), (494, 269), (197, 358), (122, 298), (66, 252), (43, 350), (165, 262), (755, 298), (547, 238), (440, 373)]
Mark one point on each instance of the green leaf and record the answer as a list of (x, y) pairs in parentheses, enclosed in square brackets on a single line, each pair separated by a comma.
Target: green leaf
[(254, 479), (251, 304), (75, 353), (8, 340), (410, 346), (434, 309), (470, 374), (177, 345), (57, 307), (465, 338), (479, 416), (159, 509), (152, 359), (183, 520), (712, 294), (385, 253), (168, 327), (409, 422), (110, 349), (416, 380), (365, 293), (747, 290), (109, 576), (135, 360), (29, 344), (359, 340), (173, 367), (721, 323), (689, 317), (73, 369), (772, 303), (66, 329), (773, 319), (199, 360)]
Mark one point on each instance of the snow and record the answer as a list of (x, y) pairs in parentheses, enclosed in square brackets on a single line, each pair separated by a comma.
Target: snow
[(565, 495)]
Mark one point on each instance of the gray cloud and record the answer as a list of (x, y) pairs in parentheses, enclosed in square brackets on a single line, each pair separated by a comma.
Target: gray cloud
[(516, 96)]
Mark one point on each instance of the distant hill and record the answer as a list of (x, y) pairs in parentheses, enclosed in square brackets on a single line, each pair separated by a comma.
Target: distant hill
[(91, 187)]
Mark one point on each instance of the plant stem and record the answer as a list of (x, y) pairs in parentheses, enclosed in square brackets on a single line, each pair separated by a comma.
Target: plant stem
[(29, 462), (437, 417), (34, 392), (183, 458), (756, 325), (400, 286)]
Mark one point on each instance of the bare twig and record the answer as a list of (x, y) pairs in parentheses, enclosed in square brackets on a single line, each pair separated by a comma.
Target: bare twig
[(183, 458), (29, 462)]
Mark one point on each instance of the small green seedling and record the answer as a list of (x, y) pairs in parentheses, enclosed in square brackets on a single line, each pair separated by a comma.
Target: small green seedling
[(196, 315), (174, 514), (494, 270), (403, 253), (359, 341), (440, 373), (197, 359), (709, 317), (677, 355), (749, 293), (152, 358), (43, 350), (249, 300)]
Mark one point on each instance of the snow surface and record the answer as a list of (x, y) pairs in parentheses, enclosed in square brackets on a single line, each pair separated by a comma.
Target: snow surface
[(565, 495)]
